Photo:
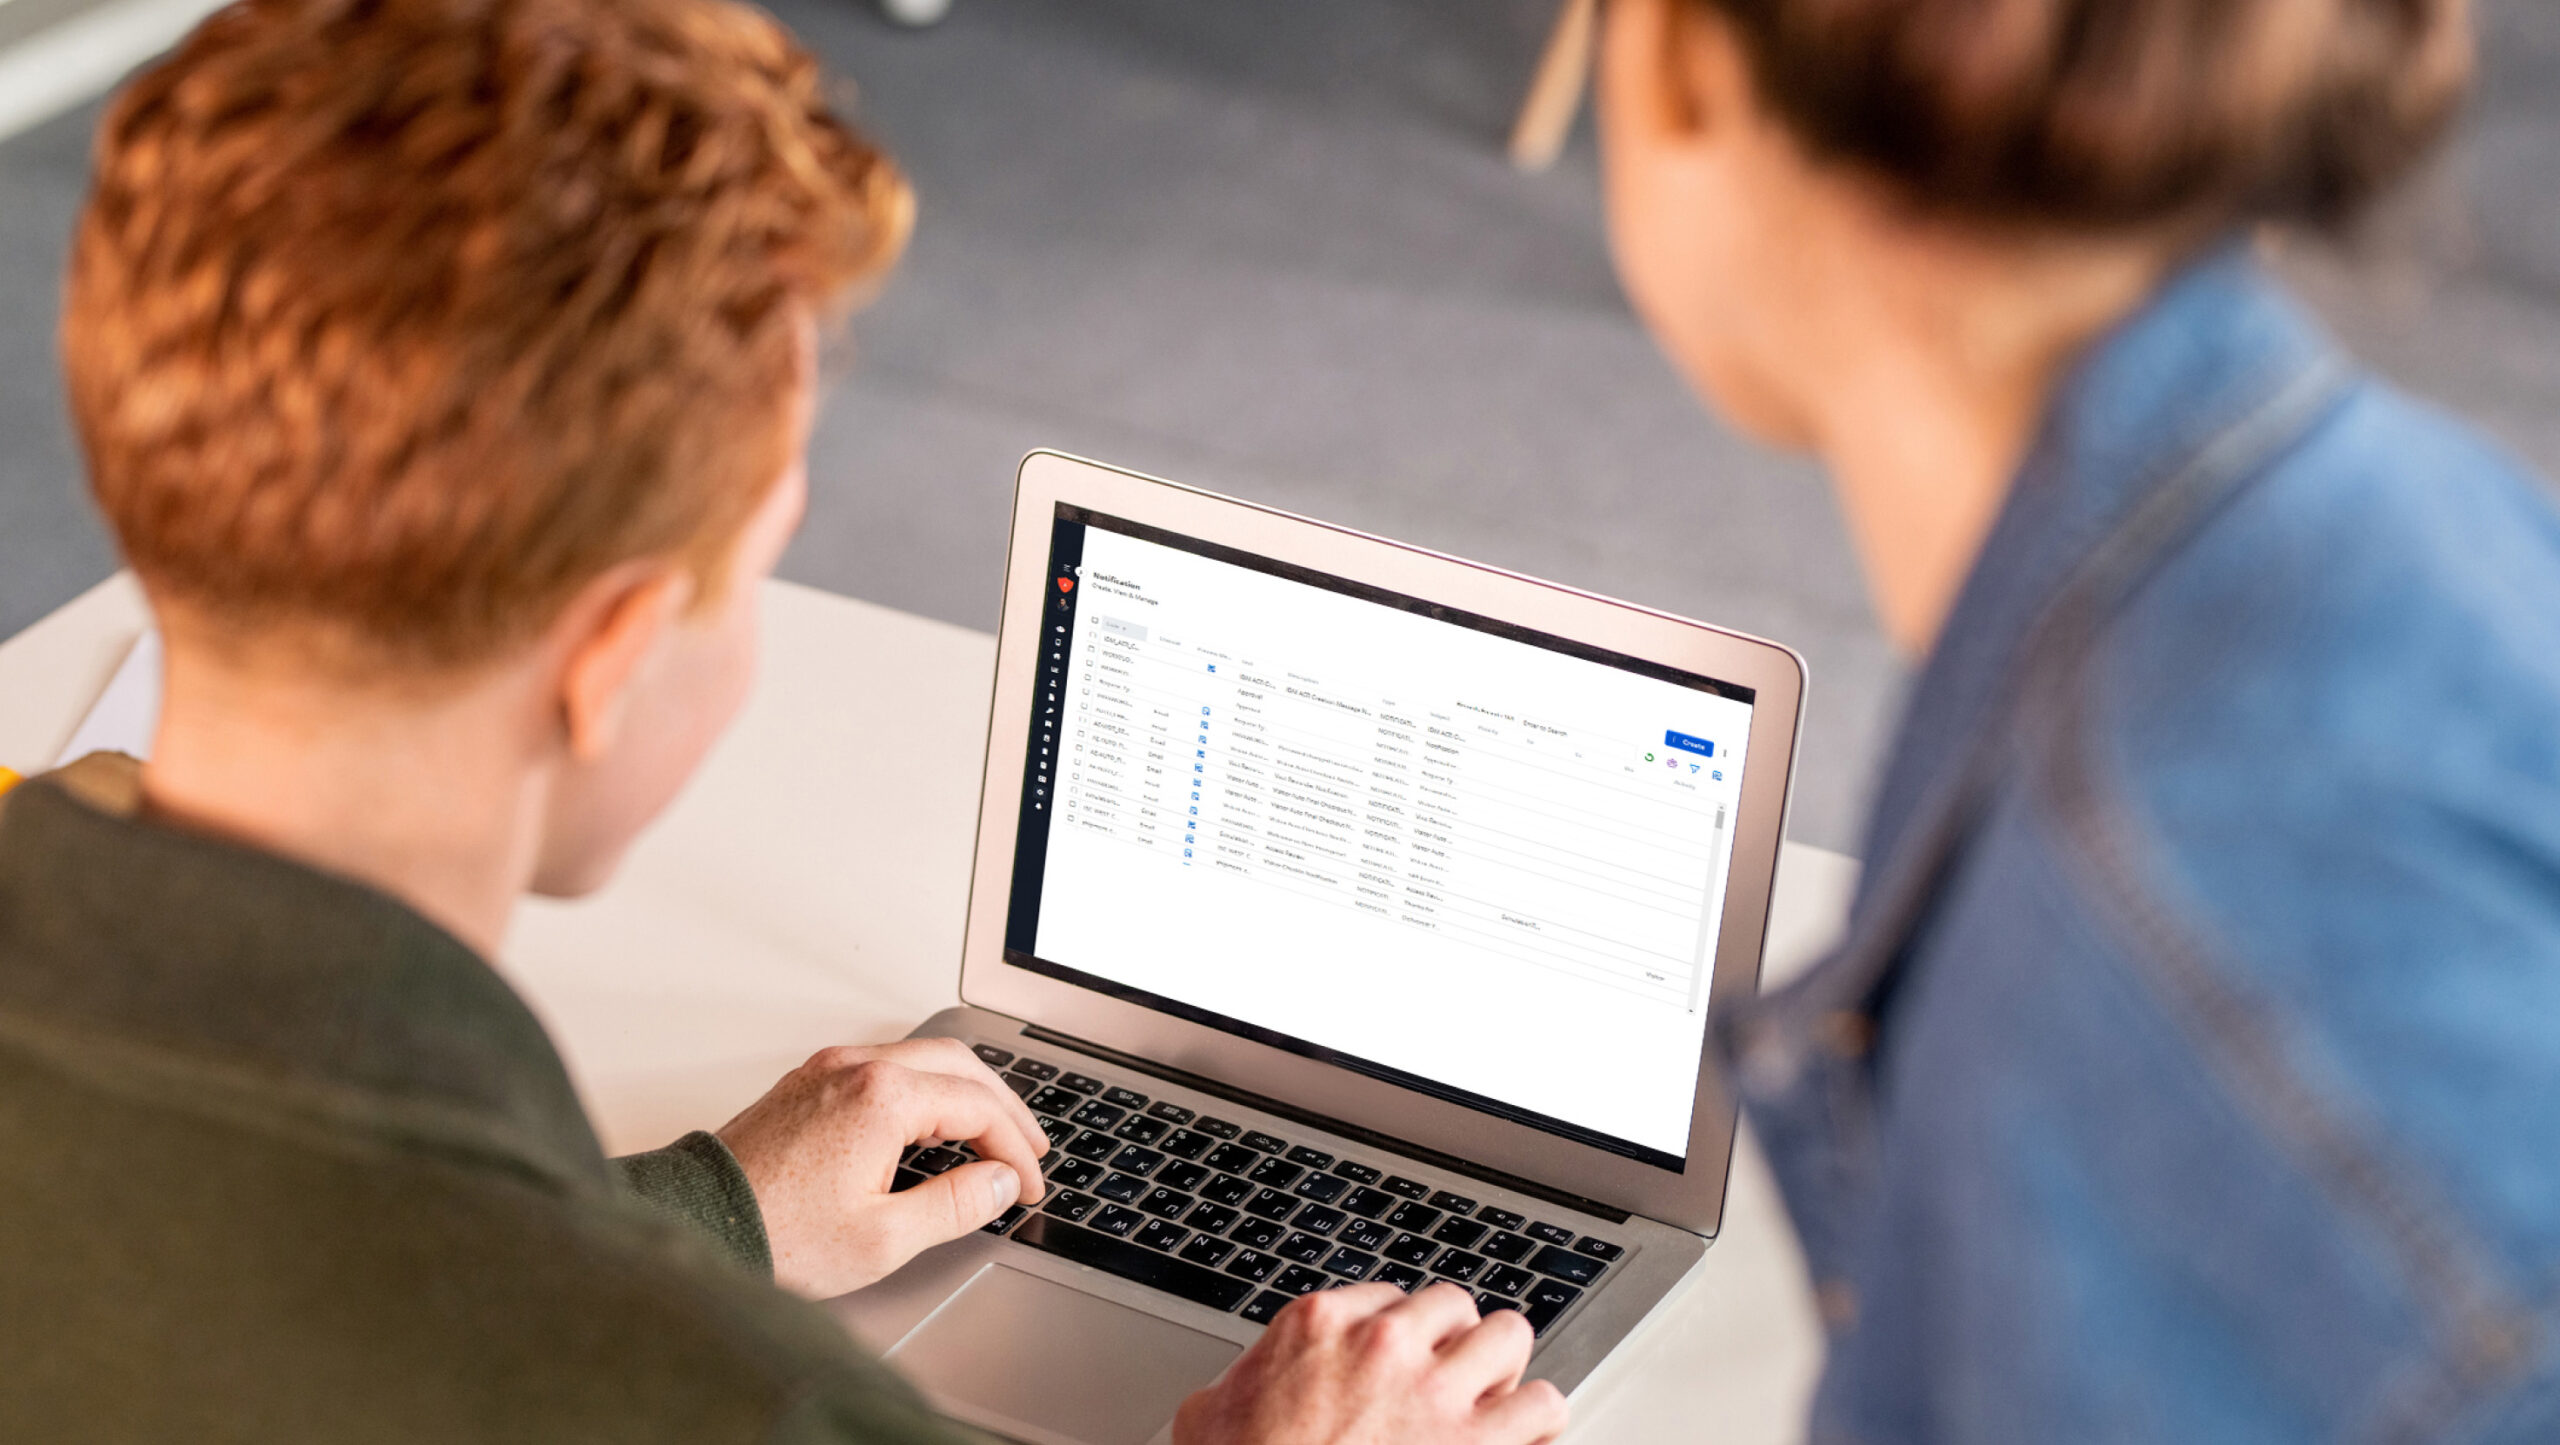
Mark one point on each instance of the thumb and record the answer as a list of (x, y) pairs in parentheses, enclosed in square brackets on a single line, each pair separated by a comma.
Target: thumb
[(949, 1205)]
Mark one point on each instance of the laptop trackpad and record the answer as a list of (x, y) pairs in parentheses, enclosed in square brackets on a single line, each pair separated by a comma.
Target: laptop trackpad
[(1046, 1362)]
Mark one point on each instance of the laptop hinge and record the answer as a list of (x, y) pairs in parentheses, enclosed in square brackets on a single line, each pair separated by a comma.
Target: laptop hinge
[(1269, 1105)]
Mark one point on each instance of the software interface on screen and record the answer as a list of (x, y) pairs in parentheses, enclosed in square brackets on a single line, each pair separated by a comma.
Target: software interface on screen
[(1473, 859)]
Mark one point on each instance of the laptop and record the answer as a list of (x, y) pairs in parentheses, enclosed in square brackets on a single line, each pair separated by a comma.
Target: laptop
[(1346, 912)]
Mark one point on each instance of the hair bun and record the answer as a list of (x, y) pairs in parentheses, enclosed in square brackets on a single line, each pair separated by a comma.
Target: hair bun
[(2106, 114)]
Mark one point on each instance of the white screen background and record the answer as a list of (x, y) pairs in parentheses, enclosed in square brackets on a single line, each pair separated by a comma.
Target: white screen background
[(1470, 858)]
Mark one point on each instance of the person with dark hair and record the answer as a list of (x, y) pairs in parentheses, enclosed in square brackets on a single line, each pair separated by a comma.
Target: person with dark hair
[(2191, 1067)]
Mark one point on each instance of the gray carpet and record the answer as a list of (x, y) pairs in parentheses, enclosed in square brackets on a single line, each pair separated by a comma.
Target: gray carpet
[(1273, 249)]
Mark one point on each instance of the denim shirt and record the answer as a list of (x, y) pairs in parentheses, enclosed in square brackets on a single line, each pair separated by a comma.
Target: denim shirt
[(2191, 1069)]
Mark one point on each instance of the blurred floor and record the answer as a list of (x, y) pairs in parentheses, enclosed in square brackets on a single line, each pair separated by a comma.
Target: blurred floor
[(1274, 249)]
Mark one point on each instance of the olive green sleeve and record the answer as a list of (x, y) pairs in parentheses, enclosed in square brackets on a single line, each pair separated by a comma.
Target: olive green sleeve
[(868, 1405), (697, 1182)]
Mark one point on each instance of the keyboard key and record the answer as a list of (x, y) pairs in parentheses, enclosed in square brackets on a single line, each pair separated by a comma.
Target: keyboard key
[(1136, 1160), (1411, 1249), (1319, 1219), (1504, 1279), (1069, 1205), (1409, 1188), (1351, 1264), (1256, 1233), (1139, 1129), (1366, 1234), (1215, 1128), (1254, 1265), (1161, 1234), (1226, 1189), (1025, 1087), (1098, 1115), (1509, 1248), (1166, 1203), (1265, 1305), (996, 1058), (1277, 1173), (1298, 1279), (1256, 1139), (1546, 1300), (1080, 1083), (904, 1180), (1356, 1173), (1058, 1130), (1414, 1217), (1055, 1101), (1121, 1188), (1368, 1203), (930, 1162), (1403, 1276), (1323, 1188), (1549, 1234), (1488, 1302), (1304, 1248), (1145, 1266), (1169, 1111), (1500, 1218), (1183, 1176), (1211, 1218), (1075, 1173), (1459, 1265), (1454, 1203), (1090, 1145), (1186, 1143), (1034, 1069), (1231, 1158), (1203, 1250), (1460, 1232), (1006, 1220), (1312, 1158), (1271, 1204), (1124, 1098), (1571, 1268), (1114, 1220), (1599, 1249)]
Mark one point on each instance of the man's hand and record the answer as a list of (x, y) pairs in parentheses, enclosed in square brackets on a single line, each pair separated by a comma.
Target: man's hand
[(1365, 1365), (821, 1147)]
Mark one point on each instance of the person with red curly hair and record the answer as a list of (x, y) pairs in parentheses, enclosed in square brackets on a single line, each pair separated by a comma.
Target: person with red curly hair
[(444, 369)]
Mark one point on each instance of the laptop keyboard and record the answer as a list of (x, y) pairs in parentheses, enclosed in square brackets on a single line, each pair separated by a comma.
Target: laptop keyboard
[(1244, 1221)]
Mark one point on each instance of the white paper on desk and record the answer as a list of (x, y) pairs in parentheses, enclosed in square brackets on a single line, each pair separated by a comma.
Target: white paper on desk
[(125, 715)]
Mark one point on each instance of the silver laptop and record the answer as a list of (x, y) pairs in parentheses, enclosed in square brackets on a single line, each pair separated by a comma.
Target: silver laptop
[(1346, 912)]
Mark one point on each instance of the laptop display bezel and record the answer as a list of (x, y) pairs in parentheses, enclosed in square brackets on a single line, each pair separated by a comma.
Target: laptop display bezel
[(1691, 1197)]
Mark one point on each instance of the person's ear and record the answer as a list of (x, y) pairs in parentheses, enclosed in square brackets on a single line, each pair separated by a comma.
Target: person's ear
[(614, 630), (1672, 71)]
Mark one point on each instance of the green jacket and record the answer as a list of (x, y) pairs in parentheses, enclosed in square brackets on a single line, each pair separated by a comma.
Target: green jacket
[(286, 1162)]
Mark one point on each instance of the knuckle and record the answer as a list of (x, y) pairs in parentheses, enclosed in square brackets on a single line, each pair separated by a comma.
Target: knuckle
[(873, 1076), (1379, 1336), (1306, 1319), (1325, 1310), (1547, 1403)]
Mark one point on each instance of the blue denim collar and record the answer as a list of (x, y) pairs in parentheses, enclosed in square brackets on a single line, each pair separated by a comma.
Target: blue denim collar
[(2209, 348), (2169, 410)]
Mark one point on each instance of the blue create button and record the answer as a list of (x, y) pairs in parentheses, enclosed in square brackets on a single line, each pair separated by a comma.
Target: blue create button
[(1688, 744)]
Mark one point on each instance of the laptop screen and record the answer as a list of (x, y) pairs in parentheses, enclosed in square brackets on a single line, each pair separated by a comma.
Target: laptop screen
[(1472, 859)]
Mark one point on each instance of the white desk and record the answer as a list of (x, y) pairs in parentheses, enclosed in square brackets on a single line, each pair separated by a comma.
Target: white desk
[(809, 889)]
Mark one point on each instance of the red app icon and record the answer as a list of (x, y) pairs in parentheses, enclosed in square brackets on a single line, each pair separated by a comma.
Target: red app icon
[(1066, 584)]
